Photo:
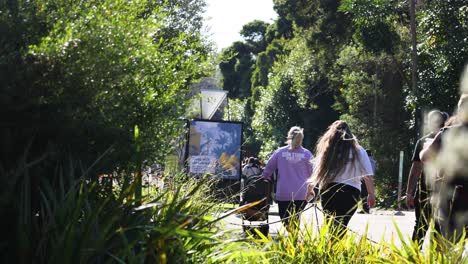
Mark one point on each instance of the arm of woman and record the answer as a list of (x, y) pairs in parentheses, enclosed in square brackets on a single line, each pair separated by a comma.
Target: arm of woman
[(310, 192), (271, 166), (414, 175), (369, 179)]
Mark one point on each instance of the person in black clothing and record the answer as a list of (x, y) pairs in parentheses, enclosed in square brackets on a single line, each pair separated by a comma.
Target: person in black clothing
[(417, 193), (250, 169), (253, 167)]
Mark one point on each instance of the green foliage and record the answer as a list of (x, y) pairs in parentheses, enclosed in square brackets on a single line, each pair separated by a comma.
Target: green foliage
[(264, 64), (302, 13), (236, 67), (236, 109), (281, 28), (76, 79), (373, 100), (296, 95), (129, 78), (296, 248), (95, 69), (373, 23), (442, 53), (322, 246), (245, 67), (83, 221), (261, 122), (254, 34)]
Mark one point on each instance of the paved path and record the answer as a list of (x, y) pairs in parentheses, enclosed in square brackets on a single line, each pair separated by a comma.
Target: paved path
[(381, 223)]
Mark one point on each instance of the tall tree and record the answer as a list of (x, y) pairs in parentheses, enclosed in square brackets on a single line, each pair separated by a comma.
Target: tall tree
[(236, 63), (442, 53), (295, 95), (353, 56), (80, 78), (414, 52), (254, 34)]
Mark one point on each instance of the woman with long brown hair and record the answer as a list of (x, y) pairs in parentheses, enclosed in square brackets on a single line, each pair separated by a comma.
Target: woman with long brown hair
[(340, 165)]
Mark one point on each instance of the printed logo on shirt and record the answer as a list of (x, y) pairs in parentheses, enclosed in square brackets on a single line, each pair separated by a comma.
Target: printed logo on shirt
[(292, 156)]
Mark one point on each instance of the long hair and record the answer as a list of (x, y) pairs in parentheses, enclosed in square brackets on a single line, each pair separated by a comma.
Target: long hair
[(333, 152), (295, 137)]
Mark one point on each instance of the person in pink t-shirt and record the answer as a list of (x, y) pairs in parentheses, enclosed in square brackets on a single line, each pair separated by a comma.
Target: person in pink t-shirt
[(294, 165)]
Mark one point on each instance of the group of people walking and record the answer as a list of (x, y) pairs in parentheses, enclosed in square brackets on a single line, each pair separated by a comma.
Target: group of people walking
[(337, 169), (437, 183), (340, 165)]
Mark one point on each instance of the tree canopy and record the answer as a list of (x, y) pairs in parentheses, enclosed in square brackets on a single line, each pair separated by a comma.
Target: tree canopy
[(79, 77), (350, 59)]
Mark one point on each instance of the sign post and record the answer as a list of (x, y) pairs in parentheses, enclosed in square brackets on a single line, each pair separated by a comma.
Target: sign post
[(400, 180)]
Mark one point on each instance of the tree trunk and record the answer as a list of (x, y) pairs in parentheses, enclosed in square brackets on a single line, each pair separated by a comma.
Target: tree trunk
[(414, 52)]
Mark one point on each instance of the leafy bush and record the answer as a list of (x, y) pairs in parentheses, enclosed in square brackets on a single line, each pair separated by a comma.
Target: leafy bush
[(80, 75), (84, 221), (323, 246), (81, 221)]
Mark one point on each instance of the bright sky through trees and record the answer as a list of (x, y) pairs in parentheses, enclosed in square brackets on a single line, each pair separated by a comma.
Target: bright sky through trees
[(225, 18)]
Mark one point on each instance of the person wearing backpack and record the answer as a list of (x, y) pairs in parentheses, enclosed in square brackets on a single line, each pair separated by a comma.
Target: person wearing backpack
[(251, 168), (294, 165), (255, 188), (250, 174)]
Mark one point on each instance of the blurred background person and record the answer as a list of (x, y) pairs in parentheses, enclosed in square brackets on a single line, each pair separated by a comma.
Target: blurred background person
[(417, 193), (447, 160)]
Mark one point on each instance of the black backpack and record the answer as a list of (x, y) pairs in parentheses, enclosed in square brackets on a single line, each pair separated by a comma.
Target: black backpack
[(255, 189)]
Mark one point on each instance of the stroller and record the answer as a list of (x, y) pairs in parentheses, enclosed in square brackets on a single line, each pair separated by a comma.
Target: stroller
[(255, 191)]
